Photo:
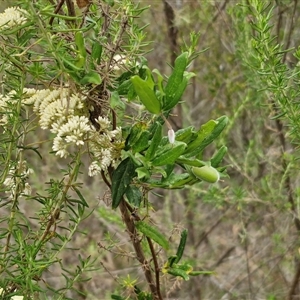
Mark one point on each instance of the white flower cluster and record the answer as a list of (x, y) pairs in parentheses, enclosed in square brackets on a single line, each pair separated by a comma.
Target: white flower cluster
[(5, 102), (59, 111), (106, 146), (73, 132), (119, 60), (53, 106), (64, 113), (23, 174), (11, 17)]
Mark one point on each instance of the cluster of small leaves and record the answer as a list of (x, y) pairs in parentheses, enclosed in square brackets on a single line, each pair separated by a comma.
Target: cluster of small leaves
[(52, 50), (152, 159), (95, 54), (267, 60)]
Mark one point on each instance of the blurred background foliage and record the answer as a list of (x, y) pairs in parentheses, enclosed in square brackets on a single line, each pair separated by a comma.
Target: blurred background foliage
[(245, 227)]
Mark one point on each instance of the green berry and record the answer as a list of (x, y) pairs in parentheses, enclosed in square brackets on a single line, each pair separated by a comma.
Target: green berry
[(206, 173)]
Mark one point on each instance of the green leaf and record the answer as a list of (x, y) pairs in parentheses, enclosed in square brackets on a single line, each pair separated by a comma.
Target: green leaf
[(177, 82), (179, 92), (24, 38), (185, 267), (79, 41), (218, 156), (121, 179), (152, 233), (115, 101), (146, 95), (142, 143), (91, 77), (135, 133), (111, 3), (142, 172), (177, 180), (181, 246), (149, 78), (117, 297), (168, 169), (160, 80), (196, 273), (83, 202), (221, 124), (154, 142), (134, 195), (204, 131), (178, 273), (190, 161), (124, 87), (96, 52), (168, 154), (161, 170), (186, 135), (145, 296), (171, 261), (70, 64)]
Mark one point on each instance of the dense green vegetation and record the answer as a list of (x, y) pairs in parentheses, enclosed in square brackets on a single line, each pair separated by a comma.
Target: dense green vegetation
[(149, 152)]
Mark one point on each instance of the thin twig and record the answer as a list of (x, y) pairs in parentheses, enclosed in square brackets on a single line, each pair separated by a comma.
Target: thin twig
[(208, 231), (291, 28), (248, 268), (138, 248), (57, 9), (157, 270), (71, 8), (295, 283)]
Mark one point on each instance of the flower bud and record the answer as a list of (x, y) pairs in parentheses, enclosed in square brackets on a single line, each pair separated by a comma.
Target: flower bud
[(171, 136)]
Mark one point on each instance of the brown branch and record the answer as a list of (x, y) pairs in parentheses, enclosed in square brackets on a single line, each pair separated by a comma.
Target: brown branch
[(295, 283), (248, 268), (105, 179), (85, 13), (221, 259), (126, 211), (157, 270), (71, 8), (172, 29), (129, 222), (57, 9)]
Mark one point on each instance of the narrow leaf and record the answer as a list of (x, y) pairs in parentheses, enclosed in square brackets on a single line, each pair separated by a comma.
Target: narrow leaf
[(83, 202), (218, 156), (176, 83), (181, 245), (179, 273), (152, 233), (204, 131), (96, 52)]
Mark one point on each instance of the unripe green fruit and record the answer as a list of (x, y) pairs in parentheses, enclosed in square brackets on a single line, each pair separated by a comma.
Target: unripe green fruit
[(206, 173)]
